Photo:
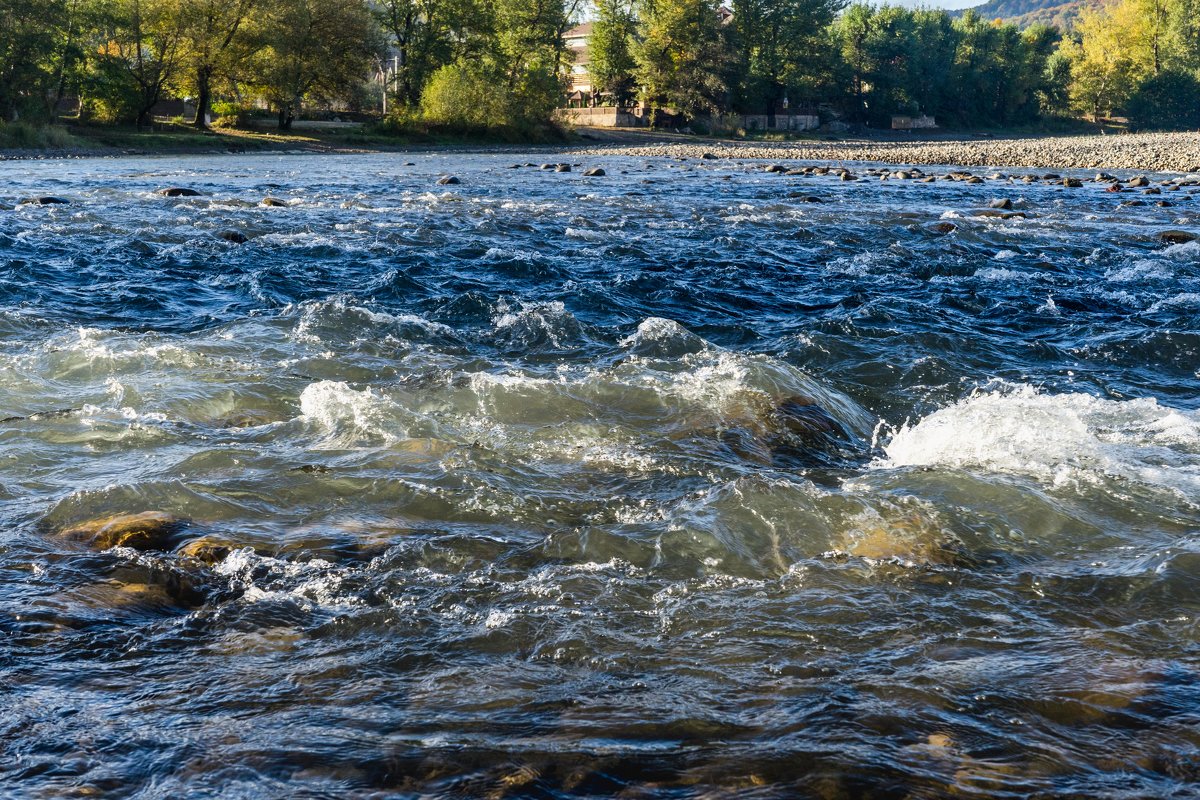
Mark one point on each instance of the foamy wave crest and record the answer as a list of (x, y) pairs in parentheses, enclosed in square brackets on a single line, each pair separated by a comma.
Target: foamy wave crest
[(536, 323), (663, 338), (1058, 439), (341, 318), (314, 584), (350, 417)]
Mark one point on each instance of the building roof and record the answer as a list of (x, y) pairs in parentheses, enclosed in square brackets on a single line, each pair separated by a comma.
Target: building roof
[(579, 31)]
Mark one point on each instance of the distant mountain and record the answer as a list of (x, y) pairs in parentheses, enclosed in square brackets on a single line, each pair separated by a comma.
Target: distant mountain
[(1024, 13)]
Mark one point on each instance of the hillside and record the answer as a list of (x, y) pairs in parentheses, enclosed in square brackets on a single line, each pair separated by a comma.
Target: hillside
[(1024, 13)]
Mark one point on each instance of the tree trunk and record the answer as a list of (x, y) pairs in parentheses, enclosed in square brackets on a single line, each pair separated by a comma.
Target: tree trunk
[(203, 96)]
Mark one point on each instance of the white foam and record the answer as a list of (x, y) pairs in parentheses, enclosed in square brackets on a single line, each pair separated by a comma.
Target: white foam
[(658, 332), (1059, 439), (550, 319), (310, 584), (351, 417)]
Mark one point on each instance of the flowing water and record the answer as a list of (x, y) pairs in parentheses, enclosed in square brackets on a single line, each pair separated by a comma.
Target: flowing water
[(665, 483)]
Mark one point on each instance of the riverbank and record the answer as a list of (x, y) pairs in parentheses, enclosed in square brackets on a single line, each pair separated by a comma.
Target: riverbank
[(1152, 152), (57, 142)]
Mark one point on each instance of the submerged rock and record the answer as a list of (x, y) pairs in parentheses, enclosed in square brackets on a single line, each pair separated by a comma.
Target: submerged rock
[(1177, 237), (43, 201), (941, 228), (236, 237), (178, 191), (912, 540), (148, 530), (206, 549)]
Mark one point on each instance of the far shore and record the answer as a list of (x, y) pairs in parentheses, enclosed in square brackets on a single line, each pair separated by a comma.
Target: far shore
[(1149, 152)]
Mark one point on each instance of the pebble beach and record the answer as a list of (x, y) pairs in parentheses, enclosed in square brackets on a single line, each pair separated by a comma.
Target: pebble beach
[(1154, 152)]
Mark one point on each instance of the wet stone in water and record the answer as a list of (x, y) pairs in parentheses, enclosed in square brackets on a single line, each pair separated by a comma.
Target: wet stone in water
[(147, 530)]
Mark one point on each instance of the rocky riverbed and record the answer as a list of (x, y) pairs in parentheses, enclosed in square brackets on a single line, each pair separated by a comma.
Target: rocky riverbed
[(1157, 152)]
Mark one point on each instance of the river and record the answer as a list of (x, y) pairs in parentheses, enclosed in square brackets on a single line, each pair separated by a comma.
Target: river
[(687, 480)]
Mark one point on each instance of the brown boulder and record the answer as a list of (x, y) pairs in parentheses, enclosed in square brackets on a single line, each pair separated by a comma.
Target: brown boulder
[(1177, 237), (148, 530)]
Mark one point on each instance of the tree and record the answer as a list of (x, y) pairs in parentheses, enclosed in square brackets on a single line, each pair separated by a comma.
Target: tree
[(1184, 23), (851, 37), (215, 41), (311, 49), (930, 61), (1103, 71), (1146, 32), (877, 47), (610, 50), (139, 60), (29, 32), (684, 56), (428, 35), (1055, 94), (1169, 99), (530, 58), (776, 40)]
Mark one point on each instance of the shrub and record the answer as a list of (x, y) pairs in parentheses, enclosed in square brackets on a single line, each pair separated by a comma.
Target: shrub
[(109, 93), (1170, 99), (462, 97), (229, 114), (24, 136)]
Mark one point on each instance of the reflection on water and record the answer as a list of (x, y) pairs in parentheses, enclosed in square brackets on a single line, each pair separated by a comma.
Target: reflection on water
[(669, 483)]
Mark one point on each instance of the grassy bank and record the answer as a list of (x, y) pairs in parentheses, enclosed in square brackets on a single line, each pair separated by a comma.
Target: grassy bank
[(25, 140)]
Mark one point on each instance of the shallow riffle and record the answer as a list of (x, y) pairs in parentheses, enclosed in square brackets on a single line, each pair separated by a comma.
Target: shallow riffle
[(670, 482)]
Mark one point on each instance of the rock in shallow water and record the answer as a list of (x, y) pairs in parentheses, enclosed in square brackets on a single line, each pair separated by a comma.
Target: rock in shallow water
[(448, 180), (43, 201), (148, 530), (178, 191), (206, 550), (1177, 237)]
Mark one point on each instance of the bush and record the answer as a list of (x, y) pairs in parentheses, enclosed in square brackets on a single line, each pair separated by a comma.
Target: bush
[(467, 100), (462, 97), (109, 93), (23, 136), (1170, 99), (230, 114)]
